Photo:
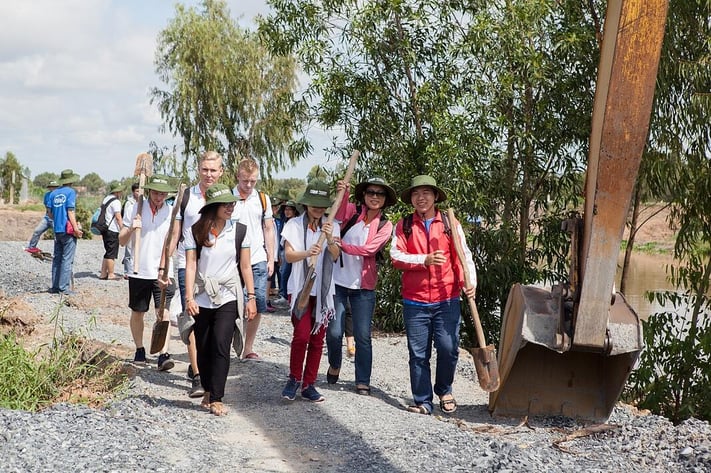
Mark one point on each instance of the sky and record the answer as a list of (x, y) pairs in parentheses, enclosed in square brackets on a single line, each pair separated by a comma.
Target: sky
[(75, 77)]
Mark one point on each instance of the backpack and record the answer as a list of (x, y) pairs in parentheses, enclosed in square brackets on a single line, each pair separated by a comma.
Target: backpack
[(240, 232), (352, 221), (407, 225), (98, 220)]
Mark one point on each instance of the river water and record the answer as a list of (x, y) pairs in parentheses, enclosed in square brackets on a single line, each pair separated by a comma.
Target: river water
[(646, 273)]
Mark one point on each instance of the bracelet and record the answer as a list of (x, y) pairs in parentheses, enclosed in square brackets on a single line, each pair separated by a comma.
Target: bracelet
[(188, 301), (251, 294), (161, 269), (251, 298)]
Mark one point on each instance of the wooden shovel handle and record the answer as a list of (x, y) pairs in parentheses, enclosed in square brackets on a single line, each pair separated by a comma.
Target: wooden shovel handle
[(303, 299), (467, 279)]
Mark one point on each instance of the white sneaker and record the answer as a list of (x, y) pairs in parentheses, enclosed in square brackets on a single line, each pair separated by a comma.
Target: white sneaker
[(280, 301)]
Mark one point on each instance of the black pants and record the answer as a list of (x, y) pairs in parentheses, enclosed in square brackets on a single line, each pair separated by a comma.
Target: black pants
[(214, 329)]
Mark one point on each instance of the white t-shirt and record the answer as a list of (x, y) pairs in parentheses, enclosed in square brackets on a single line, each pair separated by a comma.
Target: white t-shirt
[(349, 275), (153, 233), (217, 261), (249, 212), (192, 215), (111, 211)]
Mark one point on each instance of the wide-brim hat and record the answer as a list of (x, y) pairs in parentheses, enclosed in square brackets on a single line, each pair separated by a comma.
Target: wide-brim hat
[(390, 198), (421, 181), (159, 183), (53, 184), (317, 194), (116, 188), (293, 205), (68, 177), (218, 194)]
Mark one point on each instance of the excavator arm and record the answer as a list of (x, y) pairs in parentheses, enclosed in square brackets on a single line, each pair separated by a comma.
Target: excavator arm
[(569, 351)]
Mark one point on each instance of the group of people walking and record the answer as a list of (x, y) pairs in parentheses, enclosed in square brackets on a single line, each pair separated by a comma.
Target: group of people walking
[(227, 245)]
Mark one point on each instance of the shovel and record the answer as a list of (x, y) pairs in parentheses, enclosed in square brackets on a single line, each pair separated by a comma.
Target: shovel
[(302, 299), (162, 325), (487, 368), (143, 169)]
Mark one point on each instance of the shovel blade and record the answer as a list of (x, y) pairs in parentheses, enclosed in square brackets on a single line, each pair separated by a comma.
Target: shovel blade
[(160, 332), (487, 368)]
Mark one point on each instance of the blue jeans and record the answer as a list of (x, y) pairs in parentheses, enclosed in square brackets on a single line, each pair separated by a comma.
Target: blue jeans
[(284, 273), (259, 272), (127, 259), (44, 225), (63, 261), (362, 302), (425, 324)]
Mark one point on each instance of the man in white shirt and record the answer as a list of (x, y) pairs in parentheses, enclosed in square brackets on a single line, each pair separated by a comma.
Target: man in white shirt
[(114, 223), (210, 169), (253, 209)]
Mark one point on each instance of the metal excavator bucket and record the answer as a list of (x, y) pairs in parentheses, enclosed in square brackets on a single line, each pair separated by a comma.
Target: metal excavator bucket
[(540, 375), (569, 351)]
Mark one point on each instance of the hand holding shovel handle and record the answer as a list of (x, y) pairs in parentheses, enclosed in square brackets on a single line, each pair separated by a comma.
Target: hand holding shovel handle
[(161, 326), (487, 367), (303, 298), (143, 169)]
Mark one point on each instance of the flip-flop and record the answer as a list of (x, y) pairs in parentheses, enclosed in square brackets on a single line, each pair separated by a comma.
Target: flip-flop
[(252, 356), (218, 409), (418, 409)]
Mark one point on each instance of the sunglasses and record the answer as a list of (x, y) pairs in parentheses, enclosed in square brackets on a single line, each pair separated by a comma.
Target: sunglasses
[(374, 193)]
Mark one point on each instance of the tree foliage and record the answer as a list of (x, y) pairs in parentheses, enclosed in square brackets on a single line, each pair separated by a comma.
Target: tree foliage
[(473, 93), (94, 183), (225, 91), (11, 176)]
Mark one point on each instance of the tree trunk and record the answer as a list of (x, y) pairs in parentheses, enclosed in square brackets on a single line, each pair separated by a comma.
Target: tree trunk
[(630, 240)]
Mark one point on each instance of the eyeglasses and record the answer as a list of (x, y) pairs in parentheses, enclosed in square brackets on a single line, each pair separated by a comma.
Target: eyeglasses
[(374, 193)]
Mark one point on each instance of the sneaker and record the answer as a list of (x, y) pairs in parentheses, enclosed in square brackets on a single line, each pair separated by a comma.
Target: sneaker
[(140, 356), (270, 308), (290, 389), (164, 362), (309, 393), (196, 390), (280, 301), (33, 250)]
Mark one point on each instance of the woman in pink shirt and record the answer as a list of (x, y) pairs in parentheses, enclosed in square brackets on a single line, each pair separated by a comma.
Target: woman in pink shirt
[(364, 233)]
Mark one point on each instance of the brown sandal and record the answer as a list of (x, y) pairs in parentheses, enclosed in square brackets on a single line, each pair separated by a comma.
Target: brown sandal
[(448, 405), (218, 409), (418, 409)]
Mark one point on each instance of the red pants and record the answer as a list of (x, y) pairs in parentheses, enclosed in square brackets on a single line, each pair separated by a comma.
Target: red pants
[(306, 345)]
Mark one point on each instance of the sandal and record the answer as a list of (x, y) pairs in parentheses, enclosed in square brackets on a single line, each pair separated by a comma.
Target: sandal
[(363, 390), (218, 409), (418, 409), (332, 378), (448, 405)]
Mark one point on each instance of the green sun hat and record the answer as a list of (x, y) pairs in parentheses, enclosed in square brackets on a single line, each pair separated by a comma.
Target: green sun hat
[(391, 195), (317, 194), (53, 184), (218, 194), (421, 181), (116, 188), (159, 183), (68, 177)]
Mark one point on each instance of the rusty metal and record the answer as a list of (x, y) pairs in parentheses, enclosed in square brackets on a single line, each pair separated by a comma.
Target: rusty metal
[(570, 350)]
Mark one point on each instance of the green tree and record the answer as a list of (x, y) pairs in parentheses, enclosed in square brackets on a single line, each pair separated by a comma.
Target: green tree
[(225, 91), (93, 182), (42, 180), (11, 176), (491, 98), (674, 376)]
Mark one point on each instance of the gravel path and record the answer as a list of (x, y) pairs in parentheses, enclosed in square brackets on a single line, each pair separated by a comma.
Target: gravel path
[(156, 427)]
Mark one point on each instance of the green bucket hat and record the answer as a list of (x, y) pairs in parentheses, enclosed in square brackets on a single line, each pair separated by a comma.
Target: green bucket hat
[(293, 205), (275, 201), (116, 188), (159, 183), (53, 184), (218, 194), (390, 197), (420, 181), (317, 194), (68, 177)]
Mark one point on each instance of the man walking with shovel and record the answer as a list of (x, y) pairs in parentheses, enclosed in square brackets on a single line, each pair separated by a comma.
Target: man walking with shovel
[(153, 224), (422, 247)]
